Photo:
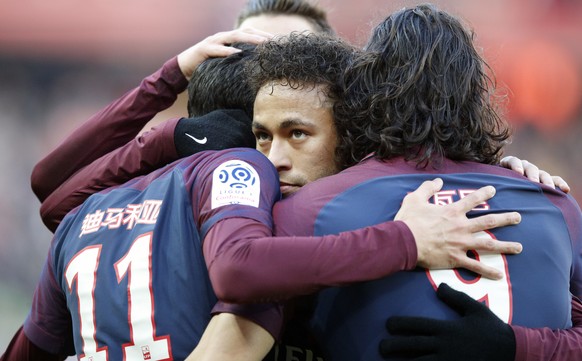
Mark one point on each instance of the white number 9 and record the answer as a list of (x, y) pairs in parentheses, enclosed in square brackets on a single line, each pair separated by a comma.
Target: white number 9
[(495, 293)]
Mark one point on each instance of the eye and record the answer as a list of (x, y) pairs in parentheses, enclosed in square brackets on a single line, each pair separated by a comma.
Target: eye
[(298, 134), (262, 136)]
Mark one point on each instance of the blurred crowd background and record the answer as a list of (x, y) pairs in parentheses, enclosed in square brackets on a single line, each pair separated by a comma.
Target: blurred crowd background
[(63, 60)]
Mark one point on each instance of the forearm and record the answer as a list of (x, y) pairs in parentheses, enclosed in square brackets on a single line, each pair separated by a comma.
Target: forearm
[(269, 316), (537, 344), (113, 127), (250, 266), (228, 337), (145, 153), (140, 156)]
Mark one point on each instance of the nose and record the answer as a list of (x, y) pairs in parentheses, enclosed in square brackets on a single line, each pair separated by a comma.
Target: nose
[(279, 155)]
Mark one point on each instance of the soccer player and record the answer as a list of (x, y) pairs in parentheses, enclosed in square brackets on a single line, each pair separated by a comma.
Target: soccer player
[(419, 105)]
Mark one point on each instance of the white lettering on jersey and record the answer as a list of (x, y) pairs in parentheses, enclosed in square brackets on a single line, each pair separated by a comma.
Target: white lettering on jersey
[(130, 216), (495, 293), (445, 197), (235, 182)]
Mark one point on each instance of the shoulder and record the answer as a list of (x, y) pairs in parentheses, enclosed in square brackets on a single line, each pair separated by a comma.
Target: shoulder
[(245, 154), (236, 168), (214, 158), (241, 161)]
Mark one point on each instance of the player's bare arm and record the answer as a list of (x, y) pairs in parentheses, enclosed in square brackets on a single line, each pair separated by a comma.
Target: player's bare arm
[(444, 234), (232, 338)]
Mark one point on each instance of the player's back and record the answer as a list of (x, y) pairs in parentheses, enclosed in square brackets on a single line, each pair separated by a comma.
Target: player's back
[(534, 291), (130, 263)]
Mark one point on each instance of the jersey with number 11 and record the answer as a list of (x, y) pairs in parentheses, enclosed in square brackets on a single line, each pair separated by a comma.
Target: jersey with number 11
[(129, 261)]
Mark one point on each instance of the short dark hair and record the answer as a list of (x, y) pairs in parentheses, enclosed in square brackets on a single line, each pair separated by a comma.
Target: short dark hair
[(302, 60), (221, 83), (305, 9), (422, 91)]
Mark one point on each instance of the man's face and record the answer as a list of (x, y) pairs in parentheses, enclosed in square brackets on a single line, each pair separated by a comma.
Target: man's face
[(295, 130), (278, 24)]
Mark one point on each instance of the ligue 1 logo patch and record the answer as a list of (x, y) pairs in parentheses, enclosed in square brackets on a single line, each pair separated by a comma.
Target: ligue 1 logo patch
[(235, 182)]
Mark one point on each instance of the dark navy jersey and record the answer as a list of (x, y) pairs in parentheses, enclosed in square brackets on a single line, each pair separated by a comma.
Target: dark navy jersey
[(128, 263), (535, 290)]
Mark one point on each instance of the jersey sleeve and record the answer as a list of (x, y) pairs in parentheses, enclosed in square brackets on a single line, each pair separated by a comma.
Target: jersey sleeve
[(143, 154), (236, 183), (113, 126), (246, 264), (21, 349), (48, 324), (267, 315), (537, 344)]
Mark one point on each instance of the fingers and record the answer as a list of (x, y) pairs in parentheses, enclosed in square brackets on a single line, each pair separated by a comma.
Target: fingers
[(420, 196), (419, 337), (547, 179), (531, 171), (525, 168), (494, 220), (426, 190), (561, 184), (475, 199), (479, 268), (483, 243), (462, 303), (407, 347), (218, 45), (248, 35), (551, 181), (491, 245), (407, 325), (512, 163)]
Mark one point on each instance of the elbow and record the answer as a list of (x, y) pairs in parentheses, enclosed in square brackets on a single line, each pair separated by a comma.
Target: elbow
[(56, 206), (50, 218), (233, 283), (38, 183)]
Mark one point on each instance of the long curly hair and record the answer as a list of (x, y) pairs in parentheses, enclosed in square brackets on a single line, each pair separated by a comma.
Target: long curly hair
[(421, 91)]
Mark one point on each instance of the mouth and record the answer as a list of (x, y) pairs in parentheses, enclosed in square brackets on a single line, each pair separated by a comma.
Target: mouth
[(287, 189)]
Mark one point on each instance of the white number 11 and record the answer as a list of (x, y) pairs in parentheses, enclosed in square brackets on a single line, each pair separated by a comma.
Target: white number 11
[(136, 265)]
